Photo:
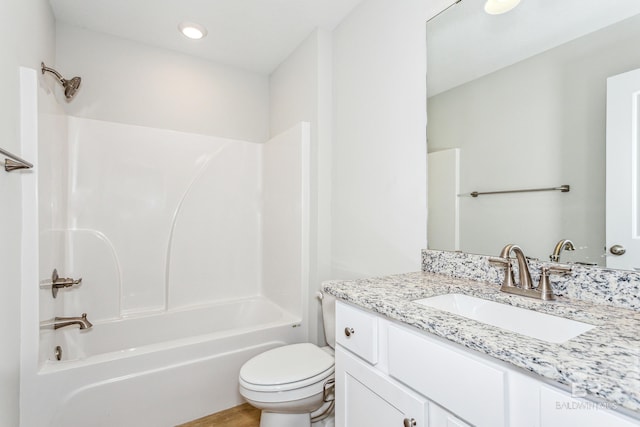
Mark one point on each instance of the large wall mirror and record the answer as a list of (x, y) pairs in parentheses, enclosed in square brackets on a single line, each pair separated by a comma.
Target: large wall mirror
[(518, 101)]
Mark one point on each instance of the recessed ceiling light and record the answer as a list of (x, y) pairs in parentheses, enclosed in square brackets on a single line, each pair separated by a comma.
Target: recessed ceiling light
[(497, 7), (192, 30)]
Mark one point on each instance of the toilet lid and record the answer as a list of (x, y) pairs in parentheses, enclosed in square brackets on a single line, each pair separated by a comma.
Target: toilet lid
[(288, 364)]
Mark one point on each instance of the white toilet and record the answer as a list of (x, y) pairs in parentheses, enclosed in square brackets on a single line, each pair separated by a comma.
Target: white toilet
[(293, 384)]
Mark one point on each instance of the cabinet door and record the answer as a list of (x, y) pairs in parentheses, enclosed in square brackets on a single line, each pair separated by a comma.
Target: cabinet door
[(366, 397), (447, 374)]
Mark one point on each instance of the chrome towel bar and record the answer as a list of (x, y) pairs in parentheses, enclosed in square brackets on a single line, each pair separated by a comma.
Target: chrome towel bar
[(562, 188), (14, 162)]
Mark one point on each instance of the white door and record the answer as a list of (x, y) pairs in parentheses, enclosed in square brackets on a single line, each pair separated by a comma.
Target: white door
[(623, 185), (443, 223)]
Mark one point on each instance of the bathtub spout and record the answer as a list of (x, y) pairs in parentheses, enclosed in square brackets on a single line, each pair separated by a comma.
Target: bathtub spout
[(61, 322)]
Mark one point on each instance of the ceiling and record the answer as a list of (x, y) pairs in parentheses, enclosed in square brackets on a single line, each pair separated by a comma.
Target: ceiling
[(255, 35), (465, 43)]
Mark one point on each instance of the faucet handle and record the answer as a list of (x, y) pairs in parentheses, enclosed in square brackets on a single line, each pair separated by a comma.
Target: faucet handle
[(560, 269), (509, 280), (499, 261), (544, 286), (546, 291)]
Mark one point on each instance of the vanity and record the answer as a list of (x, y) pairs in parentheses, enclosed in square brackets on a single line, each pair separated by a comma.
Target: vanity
[(402, 363)]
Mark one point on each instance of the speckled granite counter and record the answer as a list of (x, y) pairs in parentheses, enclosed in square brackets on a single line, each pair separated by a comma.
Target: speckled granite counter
[(605, 360)]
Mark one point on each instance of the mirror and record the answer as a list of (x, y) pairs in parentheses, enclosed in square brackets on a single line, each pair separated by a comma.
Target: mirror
[(518, 101)]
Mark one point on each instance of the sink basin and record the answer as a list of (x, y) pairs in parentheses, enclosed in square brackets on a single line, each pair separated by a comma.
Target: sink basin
[(531, 323)]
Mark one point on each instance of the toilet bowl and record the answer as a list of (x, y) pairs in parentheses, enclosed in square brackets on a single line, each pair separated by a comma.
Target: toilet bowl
[(292, 384)]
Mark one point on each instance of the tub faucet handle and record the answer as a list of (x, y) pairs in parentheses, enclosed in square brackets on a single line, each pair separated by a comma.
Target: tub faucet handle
[(61, 282)]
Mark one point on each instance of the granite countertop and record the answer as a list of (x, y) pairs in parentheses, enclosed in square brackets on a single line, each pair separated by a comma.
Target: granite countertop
[(605, 360)]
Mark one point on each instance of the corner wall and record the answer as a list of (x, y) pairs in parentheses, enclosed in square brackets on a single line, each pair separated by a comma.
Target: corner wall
[(363, 89), (300, 91), (379, 179)]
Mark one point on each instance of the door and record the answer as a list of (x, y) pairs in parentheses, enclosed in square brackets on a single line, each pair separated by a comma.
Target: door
[(443, 222), (623, 186)]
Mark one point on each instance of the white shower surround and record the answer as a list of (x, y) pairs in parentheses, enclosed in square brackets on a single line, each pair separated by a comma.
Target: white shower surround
[(168, 231), (179, 212)]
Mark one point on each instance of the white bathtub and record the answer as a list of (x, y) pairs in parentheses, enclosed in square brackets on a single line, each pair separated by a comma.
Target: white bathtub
[(156, 370)]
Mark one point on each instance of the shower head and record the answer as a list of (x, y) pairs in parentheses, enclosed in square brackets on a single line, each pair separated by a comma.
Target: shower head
[(70, 86)]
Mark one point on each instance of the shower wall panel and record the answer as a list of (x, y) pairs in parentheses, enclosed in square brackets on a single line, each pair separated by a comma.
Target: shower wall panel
[(285, 244), (52, 166), (154, 213), (215, 241)]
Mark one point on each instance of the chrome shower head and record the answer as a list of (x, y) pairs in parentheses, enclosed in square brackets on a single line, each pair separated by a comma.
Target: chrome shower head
[(70, 86)]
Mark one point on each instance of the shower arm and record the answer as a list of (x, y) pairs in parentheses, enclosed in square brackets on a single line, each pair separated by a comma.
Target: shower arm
[(52, 71)]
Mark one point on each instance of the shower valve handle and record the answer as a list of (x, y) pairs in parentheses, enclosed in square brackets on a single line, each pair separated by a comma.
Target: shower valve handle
[(64, 282)]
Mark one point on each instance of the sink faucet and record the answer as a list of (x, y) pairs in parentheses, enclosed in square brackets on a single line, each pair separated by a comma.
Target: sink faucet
[(61, 322), (564, 244), (525, 287), (523, 266)]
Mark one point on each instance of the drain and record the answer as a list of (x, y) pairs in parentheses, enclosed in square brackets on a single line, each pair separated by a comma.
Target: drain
[(58, 353)]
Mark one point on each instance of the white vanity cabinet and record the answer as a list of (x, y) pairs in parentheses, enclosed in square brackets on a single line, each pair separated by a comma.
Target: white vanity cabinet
[(388, 374)]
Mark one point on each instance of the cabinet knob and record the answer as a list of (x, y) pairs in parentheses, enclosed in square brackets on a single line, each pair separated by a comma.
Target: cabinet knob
[(409, 422), (348, 331), (617, 250)]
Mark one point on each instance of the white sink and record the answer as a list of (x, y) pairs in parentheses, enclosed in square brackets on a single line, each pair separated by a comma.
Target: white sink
[(531, 323)]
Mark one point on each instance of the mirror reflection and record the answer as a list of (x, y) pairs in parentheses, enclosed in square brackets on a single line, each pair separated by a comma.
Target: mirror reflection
[(519, 101)]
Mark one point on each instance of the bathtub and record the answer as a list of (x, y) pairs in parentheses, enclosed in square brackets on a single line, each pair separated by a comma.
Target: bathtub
[(156, 370)]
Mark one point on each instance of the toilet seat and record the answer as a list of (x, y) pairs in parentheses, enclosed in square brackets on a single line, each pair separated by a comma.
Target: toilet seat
[(287, 368), (292, 385)]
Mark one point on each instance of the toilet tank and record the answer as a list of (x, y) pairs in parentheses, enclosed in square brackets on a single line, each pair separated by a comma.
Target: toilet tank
[(329, 318)]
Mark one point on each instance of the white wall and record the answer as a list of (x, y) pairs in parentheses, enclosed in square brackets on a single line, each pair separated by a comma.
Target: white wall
[(300, 90), (375, 59), (27, 37), (129, 82), (538, 123), (379, 139)]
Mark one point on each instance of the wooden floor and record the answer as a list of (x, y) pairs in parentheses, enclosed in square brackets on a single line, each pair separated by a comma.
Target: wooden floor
[(241, 416)]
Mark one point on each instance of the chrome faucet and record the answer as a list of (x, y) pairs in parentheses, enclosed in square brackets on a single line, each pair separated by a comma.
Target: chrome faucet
[(564, 244), (525, 288), (523, 265), (61, 322)]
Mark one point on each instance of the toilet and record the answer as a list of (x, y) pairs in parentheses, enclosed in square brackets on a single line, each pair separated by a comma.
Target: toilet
[(293, 384)]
